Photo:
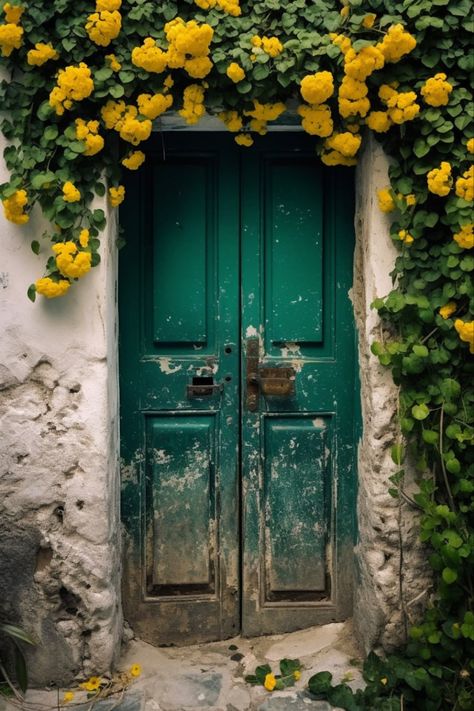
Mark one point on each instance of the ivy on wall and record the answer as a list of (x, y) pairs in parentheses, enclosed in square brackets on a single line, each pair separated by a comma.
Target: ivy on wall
[(88, 81)]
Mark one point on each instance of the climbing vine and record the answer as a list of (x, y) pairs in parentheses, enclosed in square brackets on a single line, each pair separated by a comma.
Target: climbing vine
[(85, 85)]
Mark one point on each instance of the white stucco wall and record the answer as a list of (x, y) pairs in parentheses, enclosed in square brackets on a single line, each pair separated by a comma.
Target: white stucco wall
[(59, 529), (59, 536)]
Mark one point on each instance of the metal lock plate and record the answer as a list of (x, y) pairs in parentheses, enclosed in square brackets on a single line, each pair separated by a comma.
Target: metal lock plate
[(277, 382)]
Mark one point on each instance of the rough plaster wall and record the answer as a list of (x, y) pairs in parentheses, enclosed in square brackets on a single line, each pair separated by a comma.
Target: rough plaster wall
[(393, 576), (59, 540)]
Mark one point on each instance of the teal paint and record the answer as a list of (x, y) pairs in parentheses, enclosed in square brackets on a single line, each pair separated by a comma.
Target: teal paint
[(224, 245)]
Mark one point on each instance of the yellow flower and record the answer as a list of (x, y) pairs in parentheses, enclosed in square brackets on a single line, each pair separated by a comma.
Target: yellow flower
[(470, 145), (87, 131), (384, 680), (344, 12), (266, 112), (13, 207), (235, 72), (345, 143), (193, 104), (385, 200), (134, 160), (41, 54), (244, 139), (317, 88), (439, 179), (465, 236), (116, 195), (232, 7), (405, 237), (448, 309), (379, 121), (109, 5), (232, 120), (337, 158), (153, 105), (68, 696), (84, 238), (272, 46), (436, 90), (92, 684), (74, 84), (114, 64), (135, 670), (396, 43), (465, 331), (297, 675), (70, 192), (51, 289), (410, 199), (11, 37), (104, 26), (149, 56), (70, 262), (13, 13), (317, 119), (353, 99), (360, 65), (270, 682), (465, 185), (369, 20)]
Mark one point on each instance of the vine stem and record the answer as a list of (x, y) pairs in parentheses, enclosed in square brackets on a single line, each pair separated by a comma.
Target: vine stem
[(10, 684), (443, 468)]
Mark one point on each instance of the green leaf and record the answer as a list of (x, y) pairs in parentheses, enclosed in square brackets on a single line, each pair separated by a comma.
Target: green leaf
[(398, 454), (21, 671), (450, 389), (430, 436), (420, 412), (35, 246), (320, 683), (262, 671), (449, 576)]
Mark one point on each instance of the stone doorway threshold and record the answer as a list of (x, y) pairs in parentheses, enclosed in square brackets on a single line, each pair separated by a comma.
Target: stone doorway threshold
[(210, 677)]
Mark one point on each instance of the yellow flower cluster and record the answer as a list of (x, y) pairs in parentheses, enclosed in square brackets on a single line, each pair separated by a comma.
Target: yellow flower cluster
[(105, 23), (396, 43), (231, 7), (448, 309), (317, 119), (465, 185), (14, 205), (465, 237), (124, 119), (352, 98), (470, 145), (360, 65), (379, 121), (11, 34), (232, 120), (439, 179), (436, 90), (92, 684), (70, 261), (134, 160), (149, 57), (269, 682), (385, 200), (51, 289), (189, 47), (153, 105), (41, 53), (70, 192), (88, 131), (340, 148), (116, 195), (84, 238), (193, 104), (405, 237), (266, 112), (271, 45), (401, 106), (344, 43), (74, 84), (369, 20), (465, 330), (235, 72), (317, 88)]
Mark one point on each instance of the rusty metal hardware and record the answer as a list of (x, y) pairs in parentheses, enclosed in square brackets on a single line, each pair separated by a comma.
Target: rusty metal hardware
[(278, 381), (203, 387)]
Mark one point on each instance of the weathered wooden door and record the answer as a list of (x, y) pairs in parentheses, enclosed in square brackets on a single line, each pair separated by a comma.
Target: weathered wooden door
[(237, 389)]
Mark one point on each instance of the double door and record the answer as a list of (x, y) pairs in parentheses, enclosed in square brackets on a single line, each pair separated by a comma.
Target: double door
[(238, 402)]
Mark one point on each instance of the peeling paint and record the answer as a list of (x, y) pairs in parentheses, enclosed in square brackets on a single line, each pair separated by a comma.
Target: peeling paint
[(167, 367)]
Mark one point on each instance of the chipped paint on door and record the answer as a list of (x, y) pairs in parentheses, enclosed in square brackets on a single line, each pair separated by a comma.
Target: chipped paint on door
[(186, 380)]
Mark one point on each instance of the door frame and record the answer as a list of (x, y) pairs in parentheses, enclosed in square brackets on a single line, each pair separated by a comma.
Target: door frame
[(342, 609)]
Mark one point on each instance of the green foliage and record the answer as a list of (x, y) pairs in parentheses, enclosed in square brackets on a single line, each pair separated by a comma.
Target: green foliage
[(429, 360), (14, 636)]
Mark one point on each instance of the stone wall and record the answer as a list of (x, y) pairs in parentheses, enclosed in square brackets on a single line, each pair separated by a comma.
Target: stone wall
[(392, 567), (59, 552), (59, 528)]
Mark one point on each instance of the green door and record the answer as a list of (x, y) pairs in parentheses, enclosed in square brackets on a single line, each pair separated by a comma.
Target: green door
[(238, 394)]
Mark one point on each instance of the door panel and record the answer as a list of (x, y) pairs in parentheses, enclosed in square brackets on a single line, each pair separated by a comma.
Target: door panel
[(298, 450), (192, 307), (180, 426)]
